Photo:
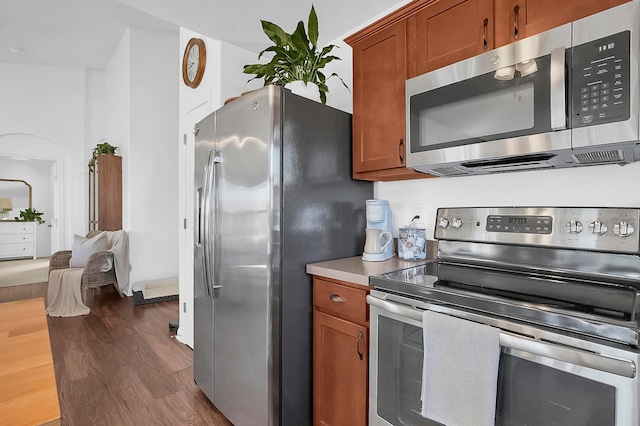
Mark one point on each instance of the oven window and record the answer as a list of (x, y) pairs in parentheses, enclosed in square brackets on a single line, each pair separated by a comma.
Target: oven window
[(400, 373), (529, 394), (534, 394)]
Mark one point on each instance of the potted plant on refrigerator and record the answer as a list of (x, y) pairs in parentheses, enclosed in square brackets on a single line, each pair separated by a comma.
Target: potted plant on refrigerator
[(297, 60)]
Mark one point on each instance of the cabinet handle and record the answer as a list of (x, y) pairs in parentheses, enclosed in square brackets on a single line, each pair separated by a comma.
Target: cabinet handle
[(337, 298), (360, 336), (516, 32), (485, 42), (401, 151)]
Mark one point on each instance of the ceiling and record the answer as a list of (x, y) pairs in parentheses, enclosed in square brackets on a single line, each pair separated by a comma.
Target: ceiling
[(85, 33)]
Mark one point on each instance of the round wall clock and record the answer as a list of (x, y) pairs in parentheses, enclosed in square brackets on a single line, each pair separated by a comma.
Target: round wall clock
[(193, 62)]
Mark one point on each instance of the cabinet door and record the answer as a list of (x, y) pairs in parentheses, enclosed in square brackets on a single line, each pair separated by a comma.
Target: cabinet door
[(516, 19), (340, 366), (379, 73), (449, 31)]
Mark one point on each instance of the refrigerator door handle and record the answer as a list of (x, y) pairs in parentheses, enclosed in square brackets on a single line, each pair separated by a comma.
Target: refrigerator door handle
[(215, 288), (200, 210), (206, 208), (210, 219)]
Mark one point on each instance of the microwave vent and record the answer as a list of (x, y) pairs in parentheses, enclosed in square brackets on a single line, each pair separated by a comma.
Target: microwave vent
[(598, 157), (448, 171)]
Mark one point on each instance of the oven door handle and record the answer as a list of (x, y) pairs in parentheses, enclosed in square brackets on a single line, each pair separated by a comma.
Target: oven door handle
[(575, 356)]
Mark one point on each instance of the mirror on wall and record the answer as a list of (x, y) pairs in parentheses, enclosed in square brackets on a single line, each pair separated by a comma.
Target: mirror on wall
[(15, 195)]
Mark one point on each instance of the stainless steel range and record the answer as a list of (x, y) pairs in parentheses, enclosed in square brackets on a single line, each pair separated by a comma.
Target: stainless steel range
[(563, 287)]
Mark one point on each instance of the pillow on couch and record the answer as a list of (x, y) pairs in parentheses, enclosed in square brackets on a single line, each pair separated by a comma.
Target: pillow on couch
[(83, 248)]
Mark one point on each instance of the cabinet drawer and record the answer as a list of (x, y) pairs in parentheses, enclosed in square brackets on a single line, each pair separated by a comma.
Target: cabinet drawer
[(16, 250), (16, 228), (16, 238), (341, 300)]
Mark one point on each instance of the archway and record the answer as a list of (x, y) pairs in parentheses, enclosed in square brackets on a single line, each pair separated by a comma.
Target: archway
[(34, 154)]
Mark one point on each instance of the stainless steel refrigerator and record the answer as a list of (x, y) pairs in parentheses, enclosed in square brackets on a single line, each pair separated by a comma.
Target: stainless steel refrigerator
[(273, 193)]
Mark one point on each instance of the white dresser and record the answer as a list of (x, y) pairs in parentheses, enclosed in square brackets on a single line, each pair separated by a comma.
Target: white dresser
[(17, 240)]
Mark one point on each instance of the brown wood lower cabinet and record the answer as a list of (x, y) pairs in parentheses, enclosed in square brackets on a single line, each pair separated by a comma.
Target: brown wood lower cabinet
[(340, 354), (340, 375)]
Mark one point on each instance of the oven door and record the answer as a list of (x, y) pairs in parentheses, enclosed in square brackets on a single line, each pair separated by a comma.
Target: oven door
[(544, 378), (507, 102)]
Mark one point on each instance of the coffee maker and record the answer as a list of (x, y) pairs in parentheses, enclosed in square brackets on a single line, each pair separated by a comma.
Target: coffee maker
[(379, 216)]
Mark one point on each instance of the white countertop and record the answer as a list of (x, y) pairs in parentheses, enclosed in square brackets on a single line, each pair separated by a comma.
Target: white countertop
[(356, 270)]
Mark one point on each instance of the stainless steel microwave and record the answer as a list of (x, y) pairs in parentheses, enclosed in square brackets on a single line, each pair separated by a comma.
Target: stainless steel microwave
[(566, 97)]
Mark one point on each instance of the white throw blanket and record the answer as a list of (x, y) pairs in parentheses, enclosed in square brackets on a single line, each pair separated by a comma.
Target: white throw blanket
[(64, 296), (460, 371), (119, 244)]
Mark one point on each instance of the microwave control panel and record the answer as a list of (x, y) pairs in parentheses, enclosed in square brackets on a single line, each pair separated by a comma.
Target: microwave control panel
[(600, 80)]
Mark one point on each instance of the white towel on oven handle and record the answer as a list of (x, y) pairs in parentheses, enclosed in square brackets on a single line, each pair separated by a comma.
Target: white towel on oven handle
[(460, 370)]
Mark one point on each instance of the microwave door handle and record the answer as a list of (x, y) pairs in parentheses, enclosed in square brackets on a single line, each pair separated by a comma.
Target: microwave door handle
[(557, 89)]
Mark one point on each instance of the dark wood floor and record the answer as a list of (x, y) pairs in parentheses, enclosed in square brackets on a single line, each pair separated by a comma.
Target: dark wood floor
[(120, 365)]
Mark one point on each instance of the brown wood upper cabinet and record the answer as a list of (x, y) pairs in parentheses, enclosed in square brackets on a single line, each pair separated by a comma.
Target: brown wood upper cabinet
[(378, 93), (517, 19), (379, 75), (448, 31), (420, 37)]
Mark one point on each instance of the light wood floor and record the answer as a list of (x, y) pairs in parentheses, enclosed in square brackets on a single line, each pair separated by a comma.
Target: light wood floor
[(119, 365)]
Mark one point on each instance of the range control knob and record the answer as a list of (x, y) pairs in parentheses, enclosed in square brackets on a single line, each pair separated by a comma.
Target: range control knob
[(623, 229), (574, 226), (456, 223), (443, 222), (597, 228)]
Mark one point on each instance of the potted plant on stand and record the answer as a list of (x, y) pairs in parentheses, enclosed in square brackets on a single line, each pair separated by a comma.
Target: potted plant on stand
[(102, 148), (297, 60)]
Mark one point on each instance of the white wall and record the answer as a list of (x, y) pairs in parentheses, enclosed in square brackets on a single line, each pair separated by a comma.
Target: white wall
[(38, 174), (43, 117), (594, 186), (118, 114), (142, 109)]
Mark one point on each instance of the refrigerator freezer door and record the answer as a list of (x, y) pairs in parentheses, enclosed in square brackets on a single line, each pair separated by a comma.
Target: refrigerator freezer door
[(247, 140), (203, 304)]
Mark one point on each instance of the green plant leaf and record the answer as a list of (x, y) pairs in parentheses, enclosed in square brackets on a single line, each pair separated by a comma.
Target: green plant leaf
[(275, 33), (312, 25), (299, 38), (102, 148)]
